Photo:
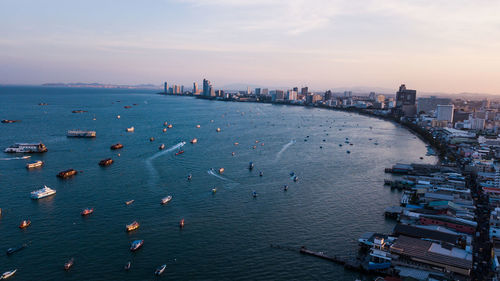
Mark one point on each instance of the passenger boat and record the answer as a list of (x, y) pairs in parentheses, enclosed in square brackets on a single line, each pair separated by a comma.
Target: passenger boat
[(133, 226), (127, 266), (67, 173), (26, 148), (10, 251), (24, 224), (162, 146), (169, 126), (218, 130), (41, 193), (129, 202), (117, 146), (198, 126), (81, 134), (221, 170), (250, 165), (69, 264), (9, 121), (160, 269), (87, 211), (166, 199), (181, 223), (136, 245), (8, 274), (106, 162), (131, 129), (179, 152), (195, 140), (33, 165)]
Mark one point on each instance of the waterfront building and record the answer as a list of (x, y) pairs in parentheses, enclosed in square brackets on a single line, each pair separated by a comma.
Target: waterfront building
[(182, 89), (265, 92), (195, 88), (445, 113), (277, 95), (304, 91), (208, 90), (347, 94), (430, 104), (257, 91), (328, 95), (291, 95), (219, 93), (405, 101), (165, 88), (381, 98), (296, 89), (372, 96)]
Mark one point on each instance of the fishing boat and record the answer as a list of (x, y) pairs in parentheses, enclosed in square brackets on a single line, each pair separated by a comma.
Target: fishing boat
[(106, 162), (10, 251), (117, 146), (159, 270), (164, 130), (133, 226), (24, 224), (127, 106), (195, 140), (8, 274), (254, 194), (127, 265), (166, 199), (169, 126), (221, 170), (67, 173), (214, 190), (198, 126), (162, 147), (118, 116), (189, 177), (217, 130), (250, 165), (129, 202), (151, 139), (69, 264), (181, 223), (9, 121), (87, 211), (131, 129), (33, 165), (285, 188), (41, 193), (136, 244), (179, 152)]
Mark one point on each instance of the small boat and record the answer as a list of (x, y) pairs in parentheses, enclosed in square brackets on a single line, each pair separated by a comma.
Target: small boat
[(295, 178), (87, 211), (79, 111), (221, 170), (348, 152), (43, 103), (131, 129), (133, 226), (127, 266), (236, 143), (254, 194), (170, 126), (118, 117), (106, 162), (69, 264), (232, 153), (151, 139), (33, 165), (189, 177), (179, 152), (117, 146), (24, 224), (8, 274), (250, 165), (340, 144), (214, 190), (164, 130), (181, 223), (67, 173), (261, 144), (136, 245), (129, 202), (261, 173), (254, 147), (9, 121), (198, 126), (165, 123), (127, 106), (162, 146), (195, 140), (10, 251), (159, 270), (218, 130), (292, 174), (285, 188), (256, 141), (166, 199)]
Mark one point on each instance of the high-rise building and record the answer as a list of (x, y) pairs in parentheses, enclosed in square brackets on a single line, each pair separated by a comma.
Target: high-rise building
[(347, 94), (445, 113), (328, 95), (372, 96), (182, 89), (304, 91), (165, 88), (405, 101), (291, 95), (430, 104), (257, 91), (195, 88), (381, 98), (265, 92), (207, 88)]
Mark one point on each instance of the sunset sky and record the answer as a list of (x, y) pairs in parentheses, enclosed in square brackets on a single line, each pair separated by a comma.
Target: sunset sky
[(448, 46)]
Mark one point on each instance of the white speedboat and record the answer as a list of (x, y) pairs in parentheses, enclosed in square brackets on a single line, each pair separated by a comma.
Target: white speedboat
[(41, 193), (160, 269), (166, 199), (8, 274)]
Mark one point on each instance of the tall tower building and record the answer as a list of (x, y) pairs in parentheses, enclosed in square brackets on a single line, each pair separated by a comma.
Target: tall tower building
[(207, 88), (165, 87), (405, 101), (195, 88)]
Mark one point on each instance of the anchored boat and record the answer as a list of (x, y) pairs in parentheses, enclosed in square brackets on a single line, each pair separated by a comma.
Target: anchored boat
[(33, 165), (41, 193), (166, 199), (133, 226), (136, 245), (160, 269), (26, 148)]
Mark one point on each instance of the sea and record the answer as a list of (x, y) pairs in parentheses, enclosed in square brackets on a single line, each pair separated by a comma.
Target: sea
[(227, 234)]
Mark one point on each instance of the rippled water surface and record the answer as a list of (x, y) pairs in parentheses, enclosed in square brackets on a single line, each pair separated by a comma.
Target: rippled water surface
[(227, 235)]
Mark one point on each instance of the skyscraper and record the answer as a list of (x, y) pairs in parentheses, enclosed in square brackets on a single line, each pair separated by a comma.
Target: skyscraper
[(165, 88), (328, 95), (405, 101), (195, 88), (445, 113), (207, 88), (257, 91), (304, 91)]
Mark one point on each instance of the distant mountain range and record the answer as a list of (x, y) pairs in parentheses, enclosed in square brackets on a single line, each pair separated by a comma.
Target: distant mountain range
[(99, 85)]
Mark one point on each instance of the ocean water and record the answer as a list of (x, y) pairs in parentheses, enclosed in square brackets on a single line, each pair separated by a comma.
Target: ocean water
[(227, 235)]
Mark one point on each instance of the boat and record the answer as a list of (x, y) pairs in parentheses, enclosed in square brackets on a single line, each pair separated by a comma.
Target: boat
[(127, 265), (169, 126), (189, 177), (79, 111), (10, 251), (254, 194), (136, 244), (133, 226), (26, 148), (295, 178), (87, 211), (127, 106), (151, 139), (221, 170), (292, 174), (106, 162), (198, 126), (232, 153), (217, 130), (33, 165), (195, 140), (179, 152), (181, 223), (67, 173), (214, 190), (236, 143), (348, 152), (131, 129), (69, 264), (118, 117), (165, 123), (162, 146), (81, 134), (9, 121), (24, 224), (8, 274), (43, 103), (117, 146), (285, 188), (166, 199), (254, 147), (41, 193), (250, 165), (129, 202), (159, 270), (261, 173), (164, 130)]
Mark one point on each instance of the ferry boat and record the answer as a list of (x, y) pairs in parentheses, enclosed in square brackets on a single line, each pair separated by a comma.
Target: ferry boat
[(9, 121), (33, 165), (166, 199), (69, 264), (133, 226), (87, 212), (106, 162), (218, 130), (181, 223), (127, 266), (24, 224), (117, 146), (26, 148), (160, 269), (81, 134), (136, 244), (131, 129), (11, 251), (195, 140), (129, 202), (67, 173), (162, 146), (41, 193), (221, 170), (179, 152), (8, 274)]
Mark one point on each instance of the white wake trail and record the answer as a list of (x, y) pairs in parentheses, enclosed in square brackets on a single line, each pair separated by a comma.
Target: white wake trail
[(149, 161), (213, 173), (16, 158), (285, 147)]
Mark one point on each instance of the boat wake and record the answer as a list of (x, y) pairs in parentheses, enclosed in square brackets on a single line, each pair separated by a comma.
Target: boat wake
[(214, 173), (285, 147), (149, 161), (16, 158)]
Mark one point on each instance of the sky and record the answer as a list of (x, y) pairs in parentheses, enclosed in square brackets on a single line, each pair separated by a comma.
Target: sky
[(449, 46)]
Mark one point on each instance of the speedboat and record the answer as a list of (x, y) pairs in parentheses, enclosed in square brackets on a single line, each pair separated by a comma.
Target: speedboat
[(127, 266), (87, 211), (24, 224), (250, 166), (159, 270), (129, 202), (133, 226), (136, 244), (181, 223), (179, 152), (261, 173), (166, 199), (214, 190), (189, 177), (69, 264), (8, 274), (162, 146), (198, 126), (10, 251), (221, 170), (254, 194), (218, 130), (131, 129), (285, 188)]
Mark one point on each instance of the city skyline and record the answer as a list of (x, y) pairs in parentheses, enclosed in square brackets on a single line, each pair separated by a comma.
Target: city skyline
[(437, 47)]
